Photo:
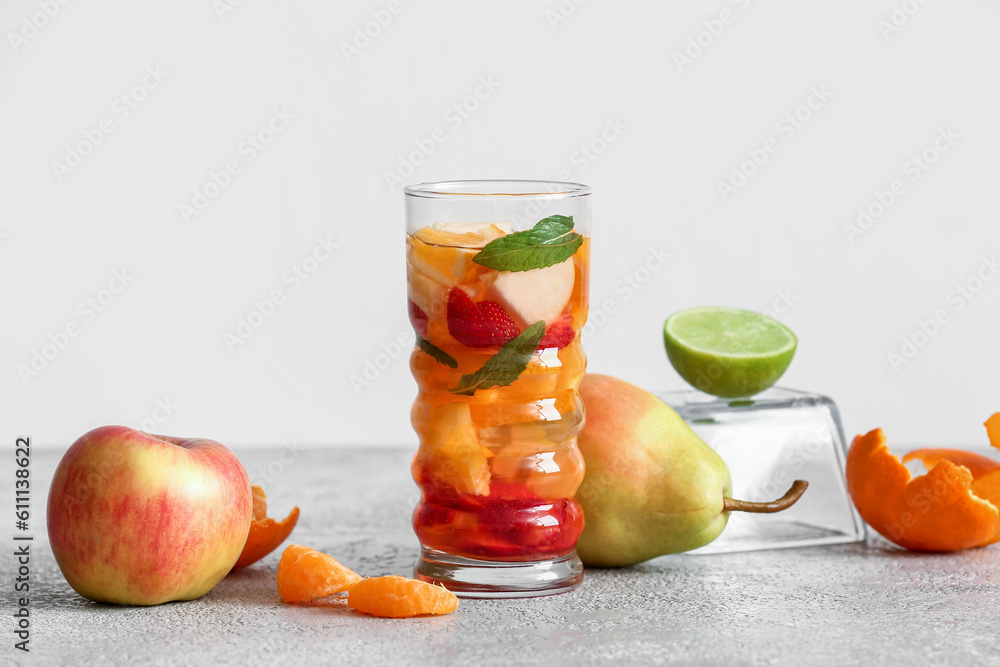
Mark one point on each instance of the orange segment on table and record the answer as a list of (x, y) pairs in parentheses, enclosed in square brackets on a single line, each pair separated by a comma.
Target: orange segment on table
[(305, 574), (399, 597)]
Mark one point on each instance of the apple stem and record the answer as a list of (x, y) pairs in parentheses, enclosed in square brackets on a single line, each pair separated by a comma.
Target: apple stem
[(782, 503)]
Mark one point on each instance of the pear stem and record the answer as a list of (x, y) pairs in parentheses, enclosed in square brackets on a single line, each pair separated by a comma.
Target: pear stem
[(782, 503)]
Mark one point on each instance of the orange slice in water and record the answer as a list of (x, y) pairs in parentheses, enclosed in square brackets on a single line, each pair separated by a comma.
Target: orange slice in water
[(305, 574), (399, 597), (451, 452), (444, 254), (551, 471)]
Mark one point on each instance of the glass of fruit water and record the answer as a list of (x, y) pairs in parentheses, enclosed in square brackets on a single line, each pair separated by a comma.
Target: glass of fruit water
[(498, 282)]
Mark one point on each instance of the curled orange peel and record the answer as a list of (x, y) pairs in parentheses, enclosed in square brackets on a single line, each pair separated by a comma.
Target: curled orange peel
[(993, 429), (985, 471), (977, 464), (265, 534), (945, 510)]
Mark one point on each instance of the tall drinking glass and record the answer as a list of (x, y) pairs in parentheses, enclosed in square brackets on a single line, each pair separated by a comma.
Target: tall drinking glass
[(498, 282)]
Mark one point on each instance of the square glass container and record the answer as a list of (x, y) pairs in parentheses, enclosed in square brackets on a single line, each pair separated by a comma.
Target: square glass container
[(768, 441)]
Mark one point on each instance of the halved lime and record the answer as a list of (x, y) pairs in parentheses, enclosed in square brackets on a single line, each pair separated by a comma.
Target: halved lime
[(728, 352)]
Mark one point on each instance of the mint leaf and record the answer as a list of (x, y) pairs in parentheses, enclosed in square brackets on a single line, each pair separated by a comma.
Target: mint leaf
[(549, 242), (506, 365), (436, 352)]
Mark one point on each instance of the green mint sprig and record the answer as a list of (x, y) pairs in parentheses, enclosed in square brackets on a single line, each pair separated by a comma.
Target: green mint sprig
[(436, 352), (506, 365), (549, 242)]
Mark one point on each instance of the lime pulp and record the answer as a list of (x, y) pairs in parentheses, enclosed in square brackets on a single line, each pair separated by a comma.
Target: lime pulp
[(728, 352)]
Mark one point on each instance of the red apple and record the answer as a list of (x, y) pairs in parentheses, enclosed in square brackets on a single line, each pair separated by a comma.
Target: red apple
[(142, 519)]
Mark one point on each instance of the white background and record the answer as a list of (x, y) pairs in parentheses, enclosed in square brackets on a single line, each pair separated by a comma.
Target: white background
[(895, 75)]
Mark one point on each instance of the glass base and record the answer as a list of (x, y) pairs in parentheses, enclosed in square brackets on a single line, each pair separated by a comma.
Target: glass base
[(468, 578), (768, 441)]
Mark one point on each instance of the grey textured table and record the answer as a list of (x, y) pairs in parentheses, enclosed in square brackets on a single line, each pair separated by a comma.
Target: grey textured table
[(864, 603)]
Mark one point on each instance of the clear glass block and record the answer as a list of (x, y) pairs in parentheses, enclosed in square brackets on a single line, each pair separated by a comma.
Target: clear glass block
[(768, 441)]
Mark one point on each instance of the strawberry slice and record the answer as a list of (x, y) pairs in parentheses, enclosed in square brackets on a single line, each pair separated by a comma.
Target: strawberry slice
[(504, 327), (418, 318), (484, 324), (465, 323), (559, 334)]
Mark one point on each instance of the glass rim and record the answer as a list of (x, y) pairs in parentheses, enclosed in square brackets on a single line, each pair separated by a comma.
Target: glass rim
[(489, 188)]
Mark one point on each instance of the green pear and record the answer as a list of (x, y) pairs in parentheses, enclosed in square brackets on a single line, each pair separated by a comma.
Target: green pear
[(651, 487)]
